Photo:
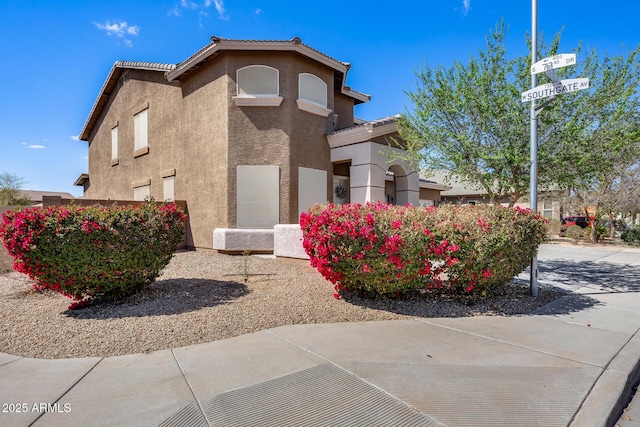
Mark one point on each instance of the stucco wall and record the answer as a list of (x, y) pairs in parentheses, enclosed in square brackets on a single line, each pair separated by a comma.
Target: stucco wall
[(197, 133), (114, 181), (284, 136), (203, 179), (429, 194)]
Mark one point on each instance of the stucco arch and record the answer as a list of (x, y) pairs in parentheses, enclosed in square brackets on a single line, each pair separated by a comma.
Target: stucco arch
[(397, 183), (370, 163)]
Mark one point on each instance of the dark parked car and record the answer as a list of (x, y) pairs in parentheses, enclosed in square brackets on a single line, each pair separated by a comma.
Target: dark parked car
[(579, 220)]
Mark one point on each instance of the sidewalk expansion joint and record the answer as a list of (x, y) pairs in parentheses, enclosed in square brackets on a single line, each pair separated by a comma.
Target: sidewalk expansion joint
[(11, 361), (69, 389), (196, 400), (332, 363)]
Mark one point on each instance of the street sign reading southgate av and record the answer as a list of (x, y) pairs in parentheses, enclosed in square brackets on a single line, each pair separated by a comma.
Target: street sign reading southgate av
[(553, 62), (551, 89)]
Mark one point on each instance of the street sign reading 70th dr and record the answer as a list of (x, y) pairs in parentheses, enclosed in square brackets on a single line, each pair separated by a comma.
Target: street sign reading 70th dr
[(553, 62)]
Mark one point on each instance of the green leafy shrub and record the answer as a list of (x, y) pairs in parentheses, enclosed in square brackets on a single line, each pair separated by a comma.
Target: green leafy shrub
[(631, 235), (601, 232), (383, 250), (93, 253), (575, 232)]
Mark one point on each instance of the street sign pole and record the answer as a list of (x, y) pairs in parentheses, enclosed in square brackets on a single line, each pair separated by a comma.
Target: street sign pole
[(533, 189)]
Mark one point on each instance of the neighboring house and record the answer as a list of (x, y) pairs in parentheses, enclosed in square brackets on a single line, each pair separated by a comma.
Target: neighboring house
[(549, 203), (36, 196), (250, 133)]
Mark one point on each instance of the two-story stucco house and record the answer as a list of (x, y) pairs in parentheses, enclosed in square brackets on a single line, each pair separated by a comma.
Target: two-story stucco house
[(248, 133)]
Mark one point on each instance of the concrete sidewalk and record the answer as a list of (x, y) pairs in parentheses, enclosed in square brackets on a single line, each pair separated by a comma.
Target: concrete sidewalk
[(573, 363)]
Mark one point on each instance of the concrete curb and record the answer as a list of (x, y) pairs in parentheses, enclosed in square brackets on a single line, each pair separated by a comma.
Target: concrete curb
[(606, 401)]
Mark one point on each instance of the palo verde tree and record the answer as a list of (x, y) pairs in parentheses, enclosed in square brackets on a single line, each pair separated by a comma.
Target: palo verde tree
[(469, 121), (601, 136)]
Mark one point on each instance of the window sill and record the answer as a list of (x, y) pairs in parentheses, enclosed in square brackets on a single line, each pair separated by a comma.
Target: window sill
[(115, 162), (257, 101), (313, 108), (141, 152)]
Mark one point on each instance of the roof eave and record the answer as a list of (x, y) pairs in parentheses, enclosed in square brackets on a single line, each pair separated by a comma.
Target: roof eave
[(219, 45), (361, 133), (107, 88)]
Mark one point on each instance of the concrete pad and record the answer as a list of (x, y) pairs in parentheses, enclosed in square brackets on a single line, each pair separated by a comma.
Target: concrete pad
[(629, 256), (411, 341), (287, 241), (133, 390), (463, 395), (579, 343), (225, 365), (243, 239), (611, 311), (571, 253), (31, 382)]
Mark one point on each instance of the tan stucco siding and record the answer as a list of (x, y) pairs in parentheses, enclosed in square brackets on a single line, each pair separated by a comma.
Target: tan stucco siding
[(110, 180), (344, 109), (429, 194), (283, 136), (199, 135), (309, 146), (204, 158)]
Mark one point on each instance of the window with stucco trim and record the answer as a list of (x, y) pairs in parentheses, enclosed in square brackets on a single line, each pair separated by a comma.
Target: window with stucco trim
[(258, 85), (312, 95), (168, 188), (141, 193), (548, 209), (114, 145), (140, 130), (258, 196)]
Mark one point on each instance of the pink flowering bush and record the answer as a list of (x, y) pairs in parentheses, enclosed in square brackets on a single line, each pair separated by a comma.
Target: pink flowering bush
[(93, 253), (378, 249)]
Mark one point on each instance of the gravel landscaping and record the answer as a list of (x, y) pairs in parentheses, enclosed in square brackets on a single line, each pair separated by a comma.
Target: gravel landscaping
[(203, 296)]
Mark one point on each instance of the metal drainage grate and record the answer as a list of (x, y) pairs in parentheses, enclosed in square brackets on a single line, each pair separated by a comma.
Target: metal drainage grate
[(320, 396)]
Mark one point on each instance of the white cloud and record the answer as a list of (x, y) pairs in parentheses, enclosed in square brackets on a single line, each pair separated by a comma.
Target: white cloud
[(119, 29), (201, 7), (219, 7), (258, 11), (466, 5), (75, 137), (36, 146)]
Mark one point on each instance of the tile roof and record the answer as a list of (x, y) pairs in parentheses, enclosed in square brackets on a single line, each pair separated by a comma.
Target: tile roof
[(217, 45), (363, 124), (110, 83)]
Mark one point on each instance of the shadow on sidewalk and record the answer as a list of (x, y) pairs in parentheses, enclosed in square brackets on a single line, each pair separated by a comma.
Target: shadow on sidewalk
[(166, 297), (600, 276)]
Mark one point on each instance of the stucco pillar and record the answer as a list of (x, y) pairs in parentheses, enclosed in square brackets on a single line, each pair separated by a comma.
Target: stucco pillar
[(365, 180), (408, 189)]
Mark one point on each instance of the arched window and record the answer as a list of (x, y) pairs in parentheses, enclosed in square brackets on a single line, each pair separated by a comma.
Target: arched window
[(257, 85), (312, 89), (312, 94)]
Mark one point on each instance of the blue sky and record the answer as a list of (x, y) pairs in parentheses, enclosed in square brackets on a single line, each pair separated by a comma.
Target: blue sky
[(57, 54)]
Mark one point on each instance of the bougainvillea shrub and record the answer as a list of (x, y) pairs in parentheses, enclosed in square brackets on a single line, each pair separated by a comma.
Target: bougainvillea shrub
[(379, 249), (93, 253)]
